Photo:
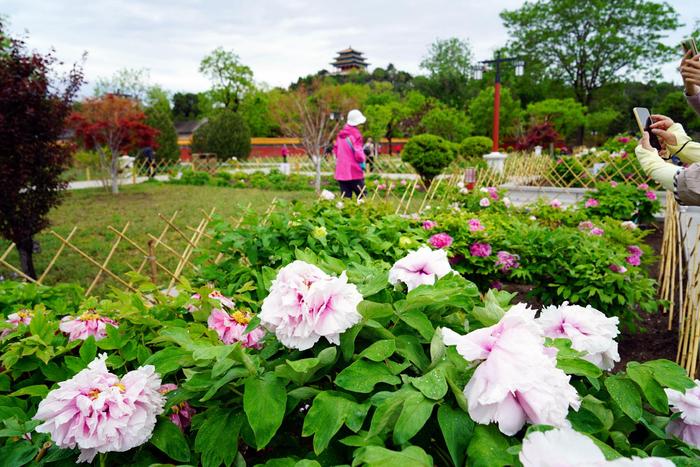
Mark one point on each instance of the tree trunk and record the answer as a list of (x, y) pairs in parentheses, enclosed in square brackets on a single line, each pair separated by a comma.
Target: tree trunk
[(114, 169), (26, 249), (318, 174)]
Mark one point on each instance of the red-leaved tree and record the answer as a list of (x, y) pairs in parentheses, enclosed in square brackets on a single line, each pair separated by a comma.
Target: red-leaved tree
[(112, 125), (33, 113)]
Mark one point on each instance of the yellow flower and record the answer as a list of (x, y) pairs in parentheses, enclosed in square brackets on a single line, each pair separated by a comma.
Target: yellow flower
[(406, 242), (319, 232)]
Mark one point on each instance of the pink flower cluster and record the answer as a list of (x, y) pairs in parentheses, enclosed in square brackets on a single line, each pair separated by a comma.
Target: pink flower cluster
[(98, 412), (651, 195), (14, 319), (180, 414), (613, 183), (306, 304), (588, 329), (421, 267), (586, 225), (634, 259), (555, 203), (643, 186), (475, 225), (568, 448), (480, 249), (231, 328), (687, 426), (518, 381), (597, 231), (88, 324), (591, 203), (617, 268), (484, 202), (629, 225), (214, 295), (427, 225), (492, 191), (441, 240), (507, 261)]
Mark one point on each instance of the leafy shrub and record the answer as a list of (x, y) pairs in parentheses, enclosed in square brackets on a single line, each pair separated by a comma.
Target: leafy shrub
[(620, 144), (225, 135), (570, 171), (429, 155), (475, 146), (193, 177), (446, 122), (623, 201)]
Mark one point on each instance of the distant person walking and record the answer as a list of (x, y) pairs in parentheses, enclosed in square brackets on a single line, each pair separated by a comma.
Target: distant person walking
[(285, 153), (369, 151), (350, 156), (150, 161)]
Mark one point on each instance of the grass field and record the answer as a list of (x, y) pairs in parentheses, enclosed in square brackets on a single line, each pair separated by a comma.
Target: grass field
[(92, 211)]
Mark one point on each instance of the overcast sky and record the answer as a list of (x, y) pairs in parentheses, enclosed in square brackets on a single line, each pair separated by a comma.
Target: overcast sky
[(279, 39)]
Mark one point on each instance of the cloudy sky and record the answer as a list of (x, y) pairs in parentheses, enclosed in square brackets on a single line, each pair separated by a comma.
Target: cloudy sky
[(279, 39)]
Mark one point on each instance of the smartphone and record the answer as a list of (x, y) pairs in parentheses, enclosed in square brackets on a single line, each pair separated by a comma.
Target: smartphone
[(689, 44), (644, 121)]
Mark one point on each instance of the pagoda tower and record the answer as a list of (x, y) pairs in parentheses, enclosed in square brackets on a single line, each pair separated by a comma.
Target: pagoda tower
[(349, 60)]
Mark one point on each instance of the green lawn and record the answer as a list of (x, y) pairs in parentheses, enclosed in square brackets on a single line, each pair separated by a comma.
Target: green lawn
[(92, 211)]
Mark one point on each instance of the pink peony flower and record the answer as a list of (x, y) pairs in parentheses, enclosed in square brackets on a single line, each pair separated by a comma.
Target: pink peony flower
[(214, 295), (585, 225), (231, 328), (643, 186), (592, 203), (306, 304), (97, 412), (555, 203), (569, 448), (635, 250), (687, 427), (613, 184), (651, 195), (14, 319), (441, 240), (518, 381), (633, 260), (475, 225), (480, 249), (484, 202), (507, 261), (616, 268), (180, 414), (427, 225), (596, 231), (629, 225), (623, 139), (88, 324), (421, 267), (588, 329), (493, 193), (381, 186)]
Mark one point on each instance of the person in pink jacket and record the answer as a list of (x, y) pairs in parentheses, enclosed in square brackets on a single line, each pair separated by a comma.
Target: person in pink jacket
[(349, 156)]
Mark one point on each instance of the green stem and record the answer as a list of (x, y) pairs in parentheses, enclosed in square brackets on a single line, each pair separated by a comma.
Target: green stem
[(103, 459)]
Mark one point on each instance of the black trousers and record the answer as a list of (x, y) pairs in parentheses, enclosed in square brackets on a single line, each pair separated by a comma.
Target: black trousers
[(348, 187)]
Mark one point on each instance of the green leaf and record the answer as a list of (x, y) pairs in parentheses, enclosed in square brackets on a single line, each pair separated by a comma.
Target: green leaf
[(264, 402), (437, 347), (578, 366), (217, 438), (652, 390), (669, 375), (380, 350), (592, 417), (362, 376), (418, 321), (301, 371), (488, 448), (88, 350), (37, 390), (433, 384), (625, 394), (382, 457), (327, 414), (347, 340), (457, 429), (374, 310), (410, 347), (414, 414), (168, 438), (17, 453)]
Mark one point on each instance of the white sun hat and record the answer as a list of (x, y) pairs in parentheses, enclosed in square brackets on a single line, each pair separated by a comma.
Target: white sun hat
[(355, 118)]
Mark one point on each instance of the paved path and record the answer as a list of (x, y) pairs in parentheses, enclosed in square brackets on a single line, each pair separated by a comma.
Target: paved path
[(81, 185)]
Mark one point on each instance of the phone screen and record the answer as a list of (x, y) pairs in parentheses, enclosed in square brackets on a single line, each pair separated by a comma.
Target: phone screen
[(644, 121)]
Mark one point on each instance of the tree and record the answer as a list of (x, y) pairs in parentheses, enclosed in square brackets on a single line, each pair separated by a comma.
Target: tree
[(481, 113), (566, 115), (126, 82), (429, 155), (185, 106), (592, 42), (305, 113), (448, 123), (112, 125), (166, 141), (255, 110), (231, 80), (226, 135), (33, 116), (449, 64)]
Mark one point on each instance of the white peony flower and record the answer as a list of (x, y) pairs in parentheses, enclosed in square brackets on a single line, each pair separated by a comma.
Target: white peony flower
[(588, 329), (423, 266), (327, 195), (687, 427)]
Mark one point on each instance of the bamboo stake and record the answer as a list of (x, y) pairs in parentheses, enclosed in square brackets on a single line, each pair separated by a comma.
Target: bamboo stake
[(55, 256), (141, 250), (16, 271), (220, 256), (169, 248), (152, 258), (410, 197), (160, 239), (398, 208), (188, 250), (174, 227), (7, 252), (106, 261), (92, 260)]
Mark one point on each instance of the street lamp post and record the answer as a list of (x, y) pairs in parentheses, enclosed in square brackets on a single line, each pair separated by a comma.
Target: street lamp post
[(519, 69)]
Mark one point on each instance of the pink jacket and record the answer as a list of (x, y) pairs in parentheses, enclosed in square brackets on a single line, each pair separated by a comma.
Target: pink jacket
[(348, 159)]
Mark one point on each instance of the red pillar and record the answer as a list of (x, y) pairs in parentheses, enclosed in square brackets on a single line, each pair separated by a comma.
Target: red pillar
[(496, 114)]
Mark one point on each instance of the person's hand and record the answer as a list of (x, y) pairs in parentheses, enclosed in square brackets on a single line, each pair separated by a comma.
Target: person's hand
[(690, 71), (644, 142), (661, 122)]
